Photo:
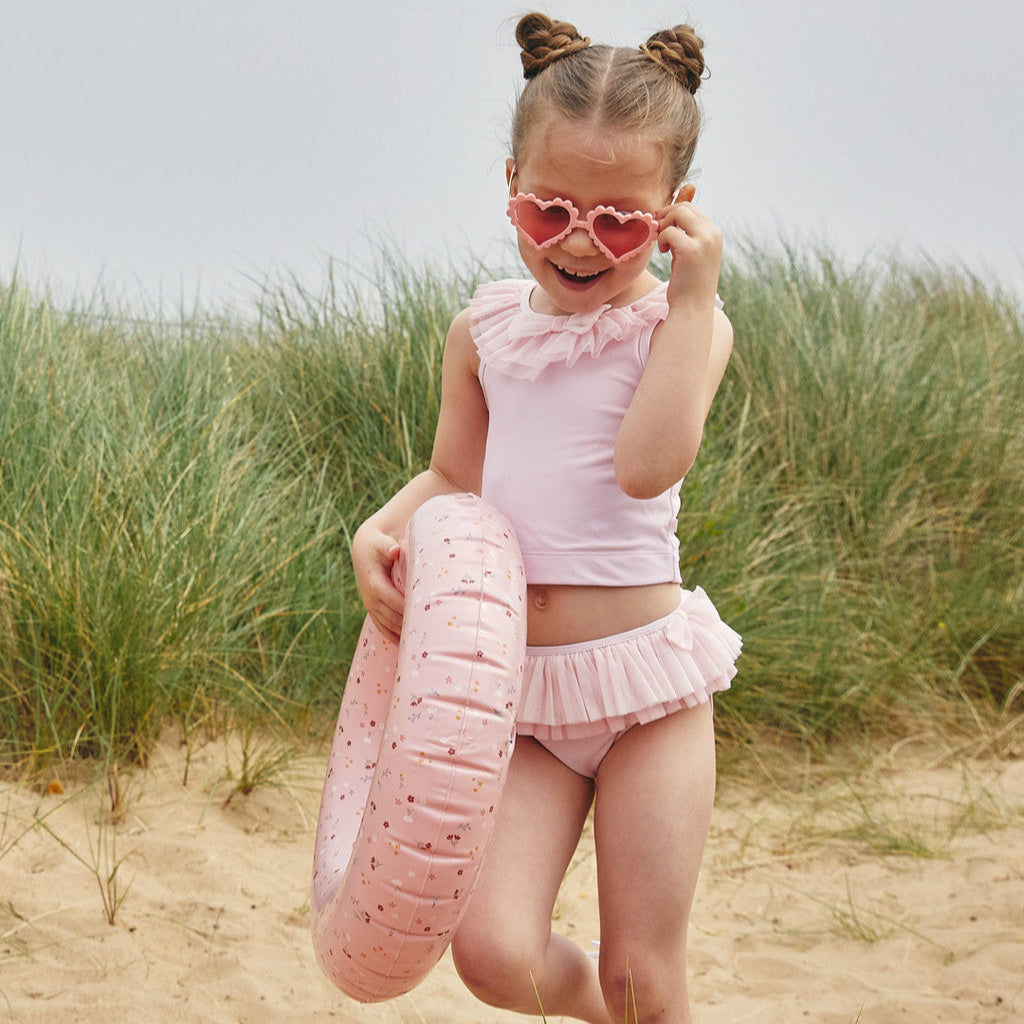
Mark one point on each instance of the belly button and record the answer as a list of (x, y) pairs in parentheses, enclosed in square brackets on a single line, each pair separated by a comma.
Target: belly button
[(541, 600)]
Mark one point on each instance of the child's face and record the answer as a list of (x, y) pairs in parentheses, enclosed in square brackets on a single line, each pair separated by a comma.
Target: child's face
[(565, 160)]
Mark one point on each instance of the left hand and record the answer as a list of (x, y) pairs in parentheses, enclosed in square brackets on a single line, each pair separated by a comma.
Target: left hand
[(695, 243)]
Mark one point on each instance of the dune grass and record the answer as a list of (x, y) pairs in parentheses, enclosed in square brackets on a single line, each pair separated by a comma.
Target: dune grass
[(177, 495), (858, 506)]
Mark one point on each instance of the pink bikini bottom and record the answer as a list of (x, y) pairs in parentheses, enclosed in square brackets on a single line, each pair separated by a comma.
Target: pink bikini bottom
[(578, 699)]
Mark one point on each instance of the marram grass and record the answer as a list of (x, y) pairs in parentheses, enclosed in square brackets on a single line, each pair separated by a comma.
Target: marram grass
[(176, 499), (860, 497)]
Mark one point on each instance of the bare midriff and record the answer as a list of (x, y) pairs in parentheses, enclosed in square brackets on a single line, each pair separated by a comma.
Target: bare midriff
[(560, 614)]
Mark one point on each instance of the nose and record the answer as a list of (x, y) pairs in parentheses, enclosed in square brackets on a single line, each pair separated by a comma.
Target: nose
[(579, 243)]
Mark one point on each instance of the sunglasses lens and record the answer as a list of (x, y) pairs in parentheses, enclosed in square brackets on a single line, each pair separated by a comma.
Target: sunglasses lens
[(621, 236), (541, 224)]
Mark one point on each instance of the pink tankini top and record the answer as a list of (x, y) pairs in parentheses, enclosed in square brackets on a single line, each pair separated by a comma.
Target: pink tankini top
[(557, 388)]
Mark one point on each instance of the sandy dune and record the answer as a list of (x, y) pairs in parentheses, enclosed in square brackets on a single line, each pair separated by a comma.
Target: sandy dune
[(896, 897)]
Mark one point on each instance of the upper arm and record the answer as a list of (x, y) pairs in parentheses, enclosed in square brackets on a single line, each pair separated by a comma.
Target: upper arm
[(461, 435)]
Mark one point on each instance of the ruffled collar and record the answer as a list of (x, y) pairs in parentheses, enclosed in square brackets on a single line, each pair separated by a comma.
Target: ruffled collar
[(513, 339)]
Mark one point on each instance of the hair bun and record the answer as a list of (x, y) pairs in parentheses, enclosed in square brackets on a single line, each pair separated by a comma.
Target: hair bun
[(678, 51), (544, 41)]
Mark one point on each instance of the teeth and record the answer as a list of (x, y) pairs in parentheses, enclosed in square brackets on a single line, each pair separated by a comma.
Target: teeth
[(577, 274)]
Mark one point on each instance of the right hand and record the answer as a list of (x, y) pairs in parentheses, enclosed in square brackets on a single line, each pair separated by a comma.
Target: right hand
[(373, 555)]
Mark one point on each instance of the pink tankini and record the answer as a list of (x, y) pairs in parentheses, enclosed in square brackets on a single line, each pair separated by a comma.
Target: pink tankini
[(557, 388)]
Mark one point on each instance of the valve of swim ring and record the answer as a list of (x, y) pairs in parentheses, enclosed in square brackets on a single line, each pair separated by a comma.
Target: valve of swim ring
[(420, 754)]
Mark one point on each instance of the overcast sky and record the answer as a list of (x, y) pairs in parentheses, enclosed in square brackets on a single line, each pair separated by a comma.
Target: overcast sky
[(191, 147)]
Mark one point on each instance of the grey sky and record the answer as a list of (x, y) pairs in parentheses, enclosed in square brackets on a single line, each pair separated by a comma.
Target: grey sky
[(197, 144)]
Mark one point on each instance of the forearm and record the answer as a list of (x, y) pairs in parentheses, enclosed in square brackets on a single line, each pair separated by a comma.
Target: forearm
[(375, 547), (392, 518), (661, 432)]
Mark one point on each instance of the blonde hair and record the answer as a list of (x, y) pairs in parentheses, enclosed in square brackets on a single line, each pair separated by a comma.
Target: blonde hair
[(648, 91)]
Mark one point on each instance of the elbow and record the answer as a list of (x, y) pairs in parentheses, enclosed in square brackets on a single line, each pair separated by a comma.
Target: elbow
[(638, 488), (643, 480)]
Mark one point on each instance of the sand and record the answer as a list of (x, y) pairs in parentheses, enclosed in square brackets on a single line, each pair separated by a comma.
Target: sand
[(891, 895)]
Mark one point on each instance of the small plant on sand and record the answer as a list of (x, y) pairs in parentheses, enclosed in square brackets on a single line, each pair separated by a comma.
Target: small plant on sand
[(102, 859), (263, 756), (864, 926)]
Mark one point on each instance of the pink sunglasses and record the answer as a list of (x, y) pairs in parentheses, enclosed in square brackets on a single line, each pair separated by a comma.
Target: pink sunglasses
[(544, 222)]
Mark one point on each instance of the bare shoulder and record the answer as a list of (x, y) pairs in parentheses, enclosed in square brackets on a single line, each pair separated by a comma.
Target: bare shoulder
[(461, 434), (459, 346)]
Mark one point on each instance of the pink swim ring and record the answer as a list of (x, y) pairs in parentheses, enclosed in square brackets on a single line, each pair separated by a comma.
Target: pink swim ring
[(420, 754)]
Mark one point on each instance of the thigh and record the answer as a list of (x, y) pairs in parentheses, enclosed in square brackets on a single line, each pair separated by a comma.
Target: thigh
[(655, 790), (543, 809)]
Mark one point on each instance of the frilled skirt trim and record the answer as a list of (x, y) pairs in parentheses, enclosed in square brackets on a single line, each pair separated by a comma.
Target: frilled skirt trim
[(631, 678)]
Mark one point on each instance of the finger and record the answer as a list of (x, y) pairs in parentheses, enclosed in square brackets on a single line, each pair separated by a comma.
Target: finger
[(691, 230), (394, 600), (683, 215), (672, 237), (386, 603), (386, 613), (666, 212), (387, 628), (672, 213)]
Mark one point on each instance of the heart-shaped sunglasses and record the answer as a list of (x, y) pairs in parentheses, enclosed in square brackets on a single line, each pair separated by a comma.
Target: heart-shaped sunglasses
[(543, 222)]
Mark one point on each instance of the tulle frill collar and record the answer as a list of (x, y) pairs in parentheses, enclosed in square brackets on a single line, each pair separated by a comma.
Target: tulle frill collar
[(511, 338)]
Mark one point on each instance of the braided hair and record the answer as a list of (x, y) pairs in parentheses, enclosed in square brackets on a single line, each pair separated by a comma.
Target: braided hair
[(647, 91)]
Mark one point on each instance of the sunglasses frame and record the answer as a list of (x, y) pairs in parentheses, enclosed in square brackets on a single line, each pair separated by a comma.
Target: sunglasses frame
[(518, 199)]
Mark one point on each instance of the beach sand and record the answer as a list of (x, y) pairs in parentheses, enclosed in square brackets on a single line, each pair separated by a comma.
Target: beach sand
[(890, 896)]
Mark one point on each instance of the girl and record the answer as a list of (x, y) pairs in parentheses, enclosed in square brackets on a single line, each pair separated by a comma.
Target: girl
[(574, 402)]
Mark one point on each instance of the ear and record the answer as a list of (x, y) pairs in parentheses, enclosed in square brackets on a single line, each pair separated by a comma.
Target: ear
[(685, 193), (510, 170)]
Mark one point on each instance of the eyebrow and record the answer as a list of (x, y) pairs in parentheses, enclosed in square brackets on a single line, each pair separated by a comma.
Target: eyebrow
[(623, 206)]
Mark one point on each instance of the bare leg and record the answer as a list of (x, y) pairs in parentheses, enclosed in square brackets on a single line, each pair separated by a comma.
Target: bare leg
[(655, 790), (504, 945)]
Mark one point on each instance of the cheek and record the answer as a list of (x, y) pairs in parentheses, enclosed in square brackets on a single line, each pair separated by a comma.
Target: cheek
[(637, 264), (533, 259)]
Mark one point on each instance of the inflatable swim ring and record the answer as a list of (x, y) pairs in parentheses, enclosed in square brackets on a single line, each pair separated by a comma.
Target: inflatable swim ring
[(420, 753)]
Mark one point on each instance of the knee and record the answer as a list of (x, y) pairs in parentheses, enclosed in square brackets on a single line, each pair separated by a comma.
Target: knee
[(644, 989), (496, 969)]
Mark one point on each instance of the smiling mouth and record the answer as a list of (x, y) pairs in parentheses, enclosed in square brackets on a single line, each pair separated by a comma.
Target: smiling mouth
[(576, 277)]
